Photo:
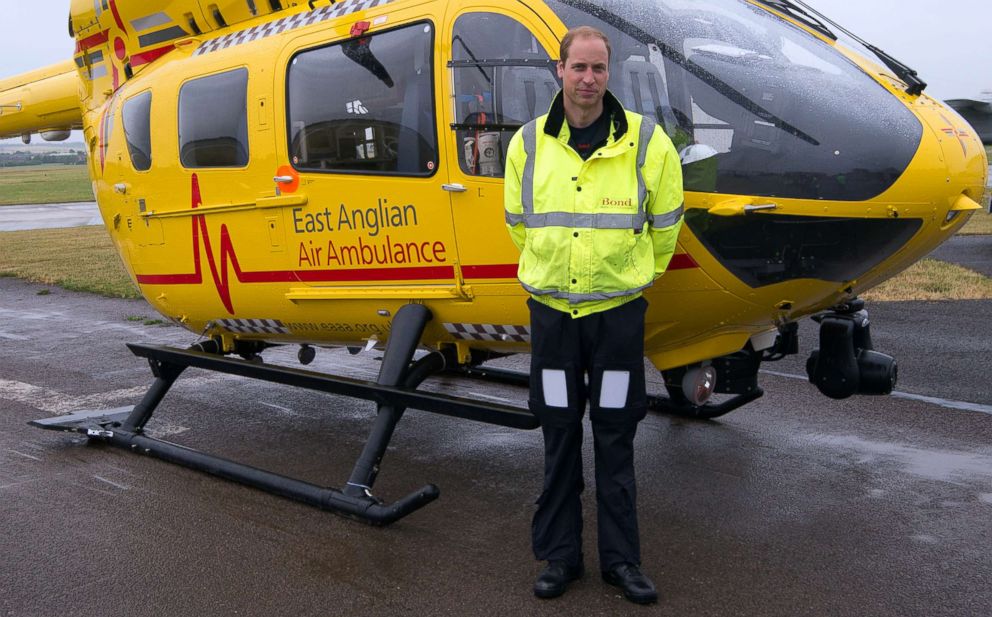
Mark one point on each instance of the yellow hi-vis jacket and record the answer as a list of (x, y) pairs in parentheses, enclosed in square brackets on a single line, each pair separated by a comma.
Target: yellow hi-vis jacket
[(593, 234)]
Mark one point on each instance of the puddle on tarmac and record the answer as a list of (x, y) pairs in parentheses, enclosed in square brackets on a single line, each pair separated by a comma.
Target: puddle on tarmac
[(944, 465)]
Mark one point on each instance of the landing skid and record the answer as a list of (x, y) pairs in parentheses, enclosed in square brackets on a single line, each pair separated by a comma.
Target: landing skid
[(393, 392)]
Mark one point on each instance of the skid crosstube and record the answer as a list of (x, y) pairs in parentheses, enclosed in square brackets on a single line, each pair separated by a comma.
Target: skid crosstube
[(659, 404), (393, 392)]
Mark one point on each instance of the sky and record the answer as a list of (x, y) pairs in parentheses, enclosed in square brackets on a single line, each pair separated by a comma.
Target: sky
[(948, 43)]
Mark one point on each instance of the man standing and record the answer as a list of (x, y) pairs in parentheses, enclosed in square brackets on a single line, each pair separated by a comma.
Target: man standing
[(594, 202)]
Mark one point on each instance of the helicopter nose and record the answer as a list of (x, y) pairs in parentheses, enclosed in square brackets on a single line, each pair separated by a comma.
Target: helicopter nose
[(963, 156)]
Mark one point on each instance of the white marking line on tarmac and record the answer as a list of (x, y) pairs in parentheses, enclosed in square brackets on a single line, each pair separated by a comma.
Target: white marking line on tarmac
[(165, 429), (279, 407), (60, 404), (494, 398), (92, 488), (78, 323), (55, 402), (33, 458), (120, 486), (18, 483), (933, 400)]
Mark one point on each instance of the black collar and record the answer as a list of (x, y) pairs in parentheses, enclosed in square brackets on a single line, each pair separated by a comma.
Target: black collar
[(611, 106)]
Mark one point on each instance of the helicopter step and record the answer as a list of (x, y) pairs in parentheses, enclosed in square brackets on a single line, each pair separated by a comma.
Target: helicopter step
[(393, 392)]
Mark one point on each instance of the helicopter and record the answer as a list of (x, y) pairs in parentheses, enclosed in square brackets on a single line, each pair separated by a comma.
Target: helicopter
[(329, 173)]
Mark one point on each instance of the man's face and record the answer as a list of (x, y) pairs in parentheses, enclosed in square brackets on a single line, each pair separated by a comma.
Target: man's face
[(585, 73)]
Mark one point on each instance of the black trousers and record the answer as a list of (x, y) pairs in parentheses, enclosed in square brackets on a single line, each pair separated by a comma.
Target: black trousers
[(597, 359)]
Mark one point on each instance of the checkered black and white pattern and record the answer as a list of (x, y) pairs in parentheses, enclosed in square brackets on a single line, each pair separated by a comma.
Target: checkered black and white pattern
[(292, 22), (252, 326), (489, 332)]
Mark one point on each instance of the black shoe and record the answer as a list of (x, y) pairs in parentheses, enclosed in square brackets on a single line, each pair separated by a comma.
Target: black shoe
[(555, 577), (636, 587)]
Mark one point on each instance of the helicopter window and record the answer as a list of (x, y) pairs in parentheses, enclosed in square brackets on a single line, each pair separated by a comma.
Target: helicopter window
[(503, 79), (365, 105), (213, 121), (755, 104), (138, 130)]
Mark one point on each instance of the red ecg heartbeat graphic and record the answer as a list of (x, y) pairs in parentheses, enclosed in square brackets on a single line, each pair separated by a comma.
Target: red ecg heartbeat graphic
[(221, 278)]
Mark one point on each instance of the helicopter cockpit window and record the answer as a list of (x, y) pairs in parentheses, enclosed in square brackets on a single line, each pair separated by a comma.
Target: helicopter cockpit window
[(138, 130), (365, 105), (754, 104), (213, 120), (503, 79)]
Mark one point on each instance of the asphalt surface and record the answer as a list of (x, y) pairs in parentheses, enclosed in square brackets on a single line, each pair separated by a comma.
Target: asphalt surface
[(972, 252), (47, 216), (793, 505)]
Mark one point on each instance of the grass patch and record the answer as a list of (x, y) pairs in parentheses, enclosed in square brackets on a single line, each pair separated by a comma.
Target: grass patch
[(44, 184), (980, 224), (988, 191), (930, 279), (981, 221), (77, 258)]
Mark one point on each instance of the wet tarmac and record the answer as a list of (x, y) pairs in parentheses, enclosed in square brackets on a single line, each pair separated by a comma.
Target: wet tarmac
[(48, 216), (794, 505)]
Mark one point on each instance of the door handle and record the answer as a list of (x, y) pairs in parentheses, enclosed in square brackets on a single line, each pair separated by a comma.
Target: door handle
[(740, 207), (454, 188), (283, 179), (759, 208)]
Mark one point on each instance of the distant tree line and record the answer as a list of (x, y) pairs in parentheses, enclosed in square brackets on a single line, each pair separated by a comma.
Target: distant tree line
[(21, 158)]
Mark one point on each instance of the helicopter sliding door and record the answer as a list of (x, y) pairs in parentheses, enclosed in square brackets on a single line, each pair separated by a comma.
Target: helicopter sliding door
[(503, 77), (193, 168), (362, 142)]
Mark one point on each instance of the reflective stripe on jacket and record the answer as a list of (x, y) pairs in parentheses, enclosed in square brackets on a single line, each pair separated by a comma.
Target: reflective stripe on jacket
[(593, 234)]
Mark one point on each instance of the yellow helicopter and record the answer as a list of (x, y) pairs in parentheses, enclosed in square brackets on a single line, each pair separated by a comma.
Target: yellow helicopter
[(330, 173)]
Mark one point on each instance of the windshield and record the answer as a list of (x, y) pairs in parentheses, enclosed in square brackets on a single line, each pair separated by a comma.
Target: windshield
[(754, 105)]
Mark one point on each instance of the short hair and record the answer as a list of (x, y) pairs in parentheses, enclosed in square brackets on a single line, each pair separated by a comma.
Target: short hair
[(582, 32)]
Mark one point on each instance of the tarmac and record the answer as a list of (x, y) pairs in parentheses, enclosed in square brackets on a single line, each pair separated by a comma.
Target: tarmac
[(794, 505), (972, 252), (49, 216)]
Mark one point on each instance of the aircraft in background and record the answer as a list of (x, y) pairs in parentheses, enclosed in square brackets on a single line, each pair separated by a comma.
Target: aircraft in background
[(978, 113)]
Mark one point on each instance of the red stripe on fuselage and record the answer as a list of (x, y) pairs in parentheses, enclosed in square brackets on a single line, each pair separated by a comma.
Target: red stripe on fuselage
[(117, 16), (92, 41), (152, 54), (492, 271), (682, 261), (377, 274)]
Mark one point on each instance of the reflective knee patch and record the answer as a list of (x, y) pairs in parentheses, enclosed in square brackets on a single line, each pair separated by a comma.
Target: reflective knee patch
[(555, 387), (613, 389)]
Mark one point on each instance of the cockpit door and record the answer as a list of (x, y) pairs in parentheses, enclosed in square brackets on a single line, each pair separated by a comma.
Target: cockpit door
[(502, 75)]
